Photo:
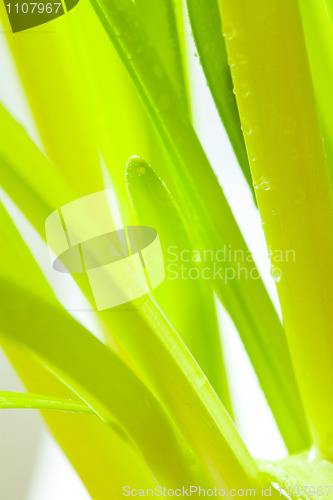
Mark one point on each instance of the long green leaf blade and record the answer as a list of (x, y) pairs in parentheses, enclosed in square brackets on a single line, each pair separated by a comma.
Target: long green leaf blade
[(104, 461), (10, 400), (317, 17), (207, 32), (294, 194), (102, 458), (53, 81), (160, 21), (101, 379), (192, 310)]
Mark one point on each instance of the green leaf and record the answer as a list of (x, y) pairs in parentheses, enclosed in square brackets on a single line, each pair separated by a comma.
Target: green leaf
[(301, 476), (160, 22), (207, 32), (293, 188), (172, 372), (36, 195), (192, 309), (52, 78), (27, 176), (23, 400), (102, 459), (214, 226), (317, 17), (100, 378)]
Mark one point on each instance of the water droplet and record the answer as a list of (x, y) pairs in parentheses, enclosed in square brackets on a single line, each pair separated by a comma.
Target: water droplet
[(265, 184), (276, 274), (141, 171), (231, 62), (245, 92), (228, 33), (246, 128), (196, 54), (242, 90), (237, 60)]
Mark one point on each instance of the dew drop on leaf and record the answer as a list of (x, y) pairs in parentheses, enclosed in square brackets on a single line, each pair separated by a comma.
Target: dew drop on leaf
[(265, 184), (246, 127), (243, 90), (231, 62), (228, 33)]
